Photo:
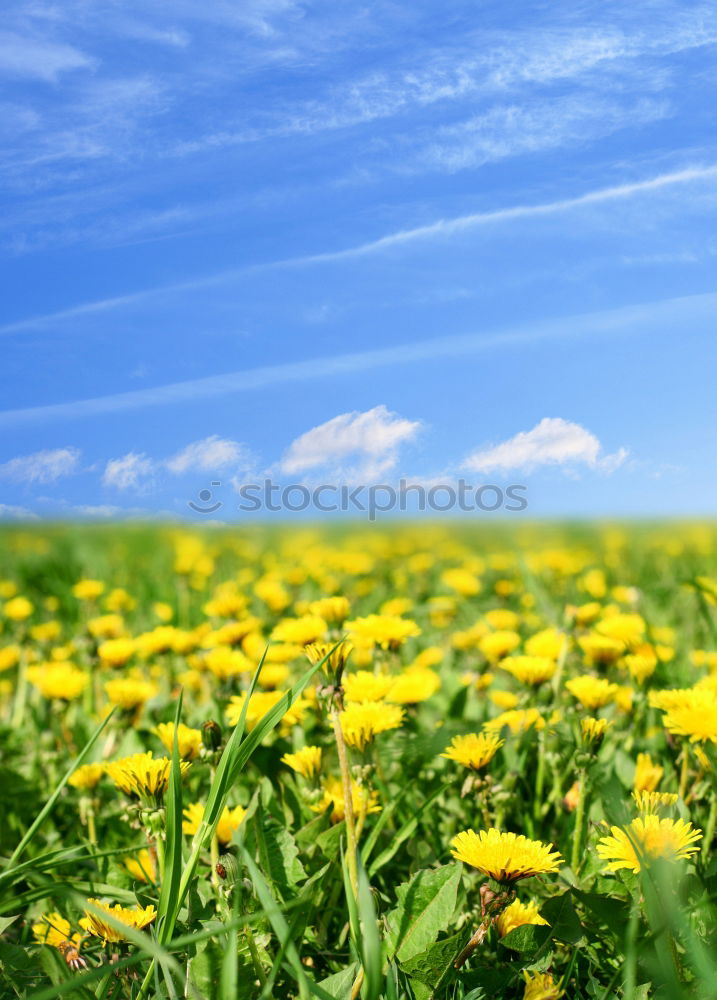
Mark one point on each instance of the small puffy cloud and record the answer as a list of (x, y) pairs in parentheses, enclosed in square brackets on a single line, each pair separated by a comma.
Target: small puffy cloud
[(371, 439), (41, 466), (553, 441), (132, 471), (211, 454)]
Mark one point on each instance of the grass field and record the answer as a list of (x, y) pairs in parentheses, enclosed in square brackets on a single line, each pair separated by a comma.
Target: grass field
[(407, 762)]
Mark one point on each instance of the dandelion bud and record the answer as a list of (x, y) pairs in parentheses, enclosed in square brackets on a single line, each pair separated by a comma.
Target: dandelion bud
[(211, 735)]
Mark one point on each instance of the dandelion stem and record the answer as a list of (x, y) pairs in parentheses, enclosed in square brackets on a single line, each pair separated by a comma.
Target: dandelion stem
[(579, 823), (684, 773), (711, 822), (18, 710), (351, 843)]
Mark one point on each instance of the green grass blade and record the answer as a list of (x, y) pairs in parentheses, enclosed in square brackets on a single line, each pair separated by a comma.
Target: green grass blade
[(173, 828)]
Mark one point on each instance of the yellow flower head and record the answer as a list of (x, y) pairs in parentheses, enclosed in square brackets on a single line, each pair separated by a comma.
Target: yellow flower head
[(55, 930), (366, 686), (413, 685), (541, 986), (141, 866), (505, 857), (337, 657), (60, 680), (653, 802), (647, 774), (361, 721), (260, 703), (517, 720), (86, 776), (142, 775), (9, 657), (306, 762), (331, 609), (229, 821), (504, 699), (517, 915), (130, 692), (698, 721), (88, 590), (18, 609), (593, 730), (363, 799), (116, 652), (386, 631), (302, 631), (189, 741), (601, 648), (45, 631), (550, 642), (627, 628), (496, 645), (529, 669), (137, 918), (592, 692), (646, 838), (462, 581), (474, 750)]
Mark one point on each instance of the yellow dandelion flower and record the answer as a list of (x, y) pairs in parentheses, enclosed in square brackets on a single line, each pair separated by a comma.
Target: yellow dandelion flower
[(306, 762), (503, 619), (141, 866), (189, 741), (652, 802), (55, 930), (505, 857), (474, 750), (462, 581), (647, 774), (88, 590), (337, 657), (386, 631), (363, 799), (45, 631), (116, 652), (302, 631), (517, 915), (366, 686), (646, 838), (549, 642), (334, 610), (593, 729), (86, 776), (18, 609), (698, 722), (361, 721), (592, 692), (60, 680), (260, 703), (130, 692), (541, 986), (413, 685), (601, 648), (142, 775), (517, 720), (229, 821), (496, 645), (504, 699), (9, 657), (136, 918), (532, 670)]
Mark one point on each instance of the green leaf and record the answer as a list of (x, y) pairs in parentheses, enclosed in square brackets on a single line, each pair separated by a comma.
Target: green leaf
[(426, 906), (173, 851), (564, 921), (527, 939), (340, 984), (431, 966), (277, 852)]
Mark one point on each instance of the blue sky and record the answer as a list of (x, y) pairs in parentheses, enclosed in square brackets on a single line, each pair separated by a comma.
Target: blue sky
[(344, 242)]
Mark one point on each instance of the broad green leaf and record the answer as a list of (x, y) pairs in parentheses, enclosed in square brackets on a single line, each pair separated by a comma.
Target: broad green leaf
[(432, 965), (527, 939), (426, 906), (340, 984)]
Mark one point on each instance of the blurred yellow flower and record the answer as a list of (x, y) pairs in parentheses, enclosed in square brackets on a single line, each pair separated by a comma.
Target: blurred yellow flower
[(592, 692), (306, 762), (363, 799), (189, 741), (86, 776), (229, 821), (18, 609), (517, 914), (361, 721), (142, 775), (474, 750), (646, 838)]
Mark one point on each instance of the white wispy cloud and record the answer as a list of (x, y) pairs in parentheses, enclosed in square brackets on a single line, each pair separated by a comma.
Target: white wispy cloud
[(632, 321), (440, 229), (211, 454), (132, 471), (25, 56), (41, 466), (553, 441), (10, 512), (369, 441)]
